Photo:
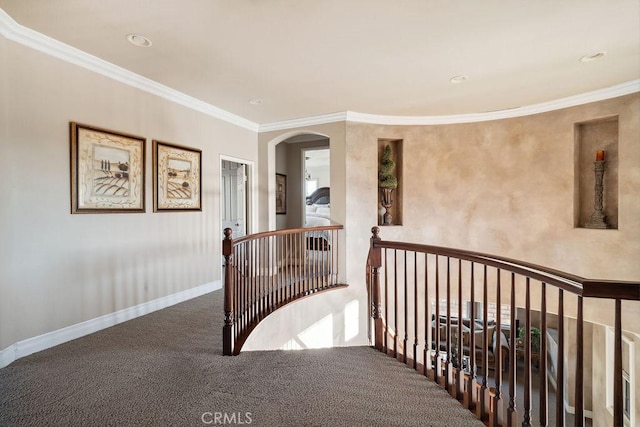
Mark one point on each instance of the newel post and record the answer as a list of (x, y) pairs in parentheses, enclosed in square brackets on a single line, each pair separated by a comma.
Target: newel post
[(376, 307), (227, 251)]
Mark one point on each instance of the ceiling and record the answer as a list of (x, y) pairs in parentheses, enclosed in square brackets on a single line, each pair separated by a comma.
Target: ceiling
[(305, 58)]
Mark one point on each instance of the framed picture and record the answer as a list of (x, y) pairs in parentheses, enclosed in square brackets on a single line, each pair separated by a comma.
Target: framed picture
[(177, 178), (281, 194), (107, 171)]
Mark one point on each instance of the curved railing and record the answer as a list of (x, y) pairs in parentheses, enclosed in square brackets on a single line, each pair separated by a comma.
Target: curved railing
[(434, 301), (266, 271)]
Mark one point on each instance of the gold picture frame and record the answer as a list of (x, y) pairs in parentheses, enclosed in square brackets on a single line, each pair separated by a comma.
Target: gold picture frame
[(107, 170), (177, 177)]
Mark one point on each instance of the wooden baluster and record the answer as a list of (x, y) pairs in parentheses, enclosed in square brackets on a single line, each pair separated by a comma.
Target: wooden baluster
[(427, 320), (375, 265), (512, 413), (449, 364), (274, 272), (240, 287), (332, 248), (269, 274), (266, 274), (290, 274), (386, 302), (308, 270), (579, 392), (497, 410), (542, 370), (250, 305), (321, 270), (472, 381), (527, 355), (436, 327), (295, 288), (263, 277), (255, 300), (560, 373), (318, 274), (485, 395), (287, 272), (395, 303), (284, 269), (460, 371), (405, 295), (279, 276), (337, 253), (227, 329), (415, 310), (617, 367)]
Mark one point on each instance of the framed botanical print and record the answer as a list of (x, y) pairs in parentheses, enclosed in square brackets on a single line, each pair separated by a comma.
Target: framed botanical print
[(281, 194), (177, 178), (107, 171)]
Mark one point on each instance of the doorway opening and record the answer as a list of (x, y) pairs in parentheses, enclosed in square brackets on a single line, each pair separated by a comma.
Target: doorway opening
[(234, 198), (298, 174)]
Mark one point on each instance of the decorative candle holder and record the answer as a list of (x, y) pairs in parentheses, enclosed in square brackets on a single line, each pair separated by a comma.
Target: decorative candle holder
[(597, 219)]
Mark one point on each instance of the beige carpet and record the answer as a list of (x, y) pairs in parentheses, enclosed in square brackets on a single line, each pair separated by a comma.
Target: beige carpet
[(167, 368)]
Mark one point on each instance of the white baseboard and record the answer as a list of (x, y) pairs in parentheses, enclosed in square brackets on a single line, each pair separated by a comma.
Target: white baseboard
[(572, 410), (50, 339)]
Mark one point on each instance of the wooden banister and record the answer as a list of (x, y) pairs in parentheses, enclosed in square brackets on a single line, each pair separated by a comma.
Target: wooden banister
[(265, 271), (457, 350)]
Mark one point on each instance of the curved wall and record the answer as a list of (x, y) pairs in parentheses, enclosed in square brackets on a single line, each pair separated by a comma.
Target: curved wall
[(504, 187)]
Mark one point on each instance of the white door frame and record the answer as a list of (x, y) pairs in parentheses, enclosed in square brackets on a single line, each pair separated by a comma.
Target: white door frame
[(252, 202)]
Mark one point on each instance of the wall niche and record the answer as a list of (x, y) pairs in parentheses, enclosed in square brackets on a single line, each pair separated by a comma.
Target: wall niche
[(592, 137), (394, 208)]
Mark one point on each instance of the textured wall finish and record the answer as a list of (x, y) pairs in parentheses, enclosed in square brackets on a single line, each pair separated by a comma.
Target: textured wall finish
[(504, 187)]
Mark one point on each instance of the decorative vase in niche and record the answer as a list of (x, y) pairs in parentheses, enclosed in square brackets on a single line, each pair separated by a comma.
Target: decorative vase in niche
[(387, 202)]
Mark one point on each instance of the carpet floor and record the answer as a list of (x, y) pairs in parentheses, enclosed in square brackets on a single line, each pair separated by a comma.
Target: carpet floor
[(167, 369)]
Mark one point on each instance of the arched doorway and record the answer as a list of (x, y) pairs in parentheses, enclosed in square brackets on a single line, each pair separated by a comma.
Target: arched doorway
[(289, 169)]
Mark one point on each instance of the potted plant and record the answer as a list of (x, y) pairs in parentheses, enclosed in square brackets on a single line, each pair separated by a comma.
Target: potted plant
[(387, 182), (535, 338)]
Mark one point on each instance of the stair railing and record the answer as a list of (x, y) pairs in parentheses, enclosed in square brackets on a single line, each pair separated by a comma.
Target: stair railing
[(266, 271), (418, 312)]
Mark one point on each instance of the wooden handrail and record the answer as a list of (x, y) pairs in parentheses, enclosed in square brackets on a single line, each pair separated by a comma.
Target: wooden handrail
[(596, 288), (265, 271), (451, 357)]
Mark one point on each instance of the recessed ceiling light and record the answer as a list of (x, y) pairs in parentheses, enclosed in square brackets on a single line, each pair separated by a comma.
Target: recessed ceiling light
[(256, 101), (458, 79), (138, 40), (593, 56)]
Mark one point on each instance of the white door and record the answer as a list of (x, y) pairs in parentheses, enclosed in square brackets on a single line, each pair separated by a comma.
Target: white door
[(234, 197)]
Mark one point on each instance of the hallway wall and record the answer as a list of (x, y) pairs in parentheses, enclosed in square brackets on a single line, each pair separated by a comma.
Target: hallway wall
[(58, 269)]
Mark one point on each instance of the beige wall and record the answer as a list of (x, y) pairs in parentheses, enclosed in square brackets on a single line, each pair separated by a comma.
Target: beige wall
[(58, 269), (505, 187), (338, 316)]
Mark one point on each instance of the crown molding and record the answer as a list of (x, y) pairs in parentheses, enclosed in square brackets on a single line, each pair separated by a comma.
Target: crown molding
[(571, 101), (306, 121), (11, 30), (622, 89)]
